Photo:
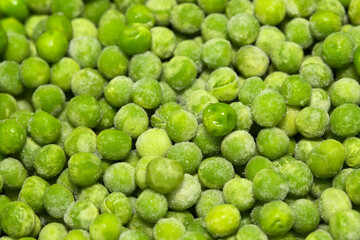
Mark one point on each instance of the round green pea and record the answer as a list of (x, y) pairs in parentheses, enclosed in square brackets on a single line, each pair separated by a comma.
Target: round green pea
[(268, 38), (57, 198), (323, 23), (186, 18), (272, 143), (112, 62), (187, 154), (80, 139), (49, 98), (169, 228), (69, 8), (34, 72), (77, 235), (255, 165), (10, 78), (163, 41), (306, 216), (12, 136), (84, 110), (105, 226), (118, 91), (135, 38), (320, 99), (84, 168), (85, 51), (161, 10), (345, 90), (44, 128), (345, 225), (208, 143), (145, 65), (113, 144), (239, 193), (81, 214), (110, 26), (214, 172), (250, 231), (337, 50), (216, 53), (352, 186), (88, 81), (270, 12), (344, 120), (95, 193), (214, 26), (249, 89), (139, 13), (243, 114), (352, 148), (181, 126), (118, 204), (192, 50), (296, 91), (208, 199), (52, 46), (180, 72), (120, 177), (151, 206), (60, 23), (287, 57), (32, 193), (219, 119), (147, 93), (251, 61), (17, 49), (13, 173), (62, 72), (49, 161), (312, 122), (243, 29), (298, 31)]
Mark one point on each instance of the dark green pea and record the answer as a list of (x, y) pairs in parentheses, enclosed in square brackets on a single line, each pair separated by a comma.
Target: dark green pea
[(113, 144), (219, 119)]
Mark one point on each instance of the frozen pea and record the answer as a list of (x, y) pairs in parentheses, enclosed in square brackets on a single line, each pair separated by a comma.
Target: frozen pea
[(214, 26), (287, 57), (64, 179), (352, 186), (255, 165), (169, 228), (113, 145), (198, 100), (275, 80), (44, 128), (139, 13), (133, 234), (185, 217), (118, 91), (55, 231), (81, 139), (49, 98), (300, 8), (84, 110), (84, 169), (180, 72), (95, 193), (15, 226), (153, 142), (250, 231), (162, 114), (132, 119), (213, 6), (42, 6), (345, 225), (326, 159), (268, 38), (344, 120), (337, 50), (222, 220), (145, 65), (339, 179), (331, 201), (62, 72), (323, 23), (207, 200), (10, 78), (353, 34), (251, 61), (319, 234), (110, 27), (138, 224), (298, 31), (133, 158), (276, 218), (208, 143), (34, 72), (60, 23), (243, 29), (186, 195), (49, 161), (112, 62), (161, 10), (349, 71), (82, 27), (272, 143), (118, 204), (288, 123), (147, 93), (306, 216), (198, 226), (135, 38), (94, 10), (243, 114), (105, 226), (12, 25), (312, 122), (239, 6), (345, 90), (214, 172), (334, 6), (296, 91), (108, 114), (216, 53), (168, 94), (122, 5), (81, 214), (52, 46), (187, 154), (239, 193), (57, 198), (120, 177), (352, 148), (77, 235), (192, 50), (238, 147), (69, 8), (32, 193), (181, 126), (353, 12), (85, 51), (26, 153), (163, 42), (319, 186), (193, 236), (186, 18), (316, 72), (320, 99), (270, 177), (151, 206), (249, 89), (12, 137), (270, 12), (17, 48), (8, 106)]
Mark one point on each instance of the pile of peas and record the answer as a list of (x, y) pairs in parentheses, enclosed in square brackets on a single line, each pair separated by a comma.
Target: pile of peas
[(179, 119)]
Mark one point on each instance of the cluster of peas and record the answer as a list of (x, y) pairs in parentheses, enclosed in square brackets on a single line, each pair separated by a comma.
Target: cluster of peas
[(180, 120)]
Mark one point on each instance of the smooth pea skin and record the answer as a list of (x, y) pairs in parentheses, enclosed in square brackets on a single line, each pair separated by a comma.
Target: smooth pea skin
[(49, 161), (8, 105), (49, 98), (222, 220), (12, 136), (337, 50), (344, 120), (134, 39), (270, 12), (105, 226), (345, 225), (326, 159), (113, 144), (84, 110), (84, 169), (219, 119), (52, 46)]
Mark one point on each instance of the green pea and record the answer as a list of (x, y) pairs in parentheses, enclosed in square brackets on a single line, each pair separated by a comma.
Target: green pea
[(186, 18), (110, 27), (239, 193), (344, 120), (306, 216), (320, 99), (49, 98), (309, 125), (81, 214), (243, 114), (120, 177), (331, 201), (32, 193), (16, 9), (94, 10), (57, 198), (287, 57), (164, 181), (118, 91), (112, 62), (250, 231), (276, 218), (44, 128), (132, 119), (69, 8), (153, 142), (105, 226), (192, 50), (108, 114), (139, 13), (118, 204), (180, 72), (345, 90), (296, 91), (77, 235), (49, 161), (8, 106), (62, 73), (84, 110), (352, 148), (334, 6), (298, 31), (169, 228), (340, 178), (193, 236), (34, 72), (60, 23), (187, 154), (198, 100), (10, 78), (151, 206), (345, 224), (214, 172), (17, 48), (255, 165), (352, 186), (161, 10), (337, 50), (300, 8), (16, 226), (316, 72), (319, 234), (81, 139), (270, 12), (52, 46), (219, 119), (251, 61), (84, 169), (135, 38), (239, 6), (249, 89), (113, 144), (323, 23), (326, 159), (216, 53), (181, 126), (245, 24), (268, 38), (12, 137), (272, 143), (222, 220), (214, 26), (147, 93), (83, 27), (207, 200), (85, 51)]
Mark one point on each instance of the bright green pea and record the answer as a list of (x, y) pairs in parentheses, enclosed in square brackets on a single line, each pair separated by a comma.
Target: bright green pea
[(219, 119), (287, 57), (222, 220), (161, 10), (340, 179), (216, 53), (77, 235), (12, 25), (112, 62), (95, 9), (208, 199), (83, 27), (105, 226), (337, 50), (276, 218), (113, 144), (57, 198), (80, 139), (181, 126), (60, 23), (249, 89), (147, 93), (180, 72), (326, 159), (49, 161), (272, 143), (309, 125), (298, 31), (34, 72), (151, 206), (187, 154), (52, 46), (296, 91), (352, 145), (44, 128), (85, 51), (32, 193), (88, 81), (49, 98), (239, 6), (17, 9), (214, 172), (62, 73), (139, 13), (316, 72), (186, 18), (344, 120), (8, 106), (331, 201), (300, 8), (250, 231), (319, 234), (192, 50), (17, 48), (12, 136), (118, 91), (145, 65), (118, 204), (214, 26), (84, 169), (243, 114), (251, 61), (10, 78), (323, 23), (84, 110), (268, 38), (135, 38), (120, 177), (111, 25), (255, 165), (352, 186), (239, 193), (345, 224), (13, 173), (162, 114), (81, 214), (270, 12), (208, 143), (320, 99), (243, 29), (345, 90), (169, 228), (70, 8), (334, 6), (306, 216)]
